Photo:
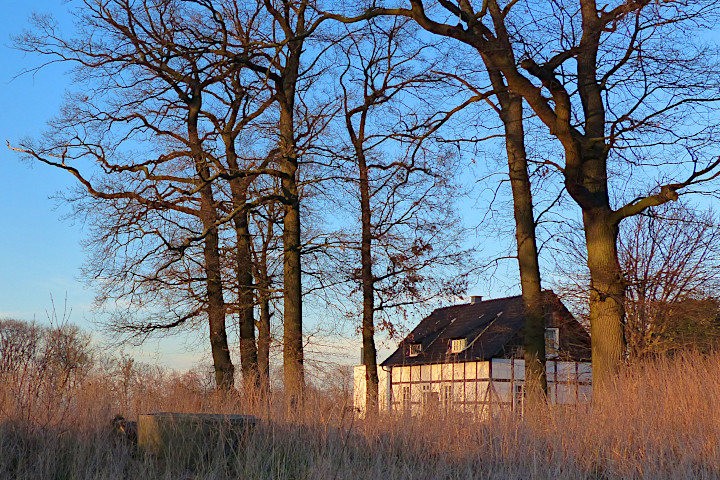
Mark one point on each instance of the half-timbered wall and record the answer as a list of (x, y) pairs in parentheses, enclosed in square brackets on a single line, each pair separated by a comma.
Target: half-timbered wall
[(474, 387)]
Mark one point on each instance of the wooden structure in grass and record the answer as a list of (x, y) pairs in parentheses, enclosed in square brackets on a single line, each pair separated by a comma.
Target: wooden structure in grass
[(470, 358), (191, 433)]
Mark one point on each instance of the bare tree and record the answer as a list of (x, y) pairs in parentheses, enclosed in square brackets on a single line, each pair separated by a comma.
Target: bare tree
[(40, 368), (287, 26), (509, 108), (146, 69), (600, 79), (400, 179), (671, 262)]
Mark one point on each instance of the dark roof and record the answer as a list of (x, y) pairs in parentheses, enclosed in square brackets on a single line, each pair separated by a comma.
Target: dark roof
[(492, 328)]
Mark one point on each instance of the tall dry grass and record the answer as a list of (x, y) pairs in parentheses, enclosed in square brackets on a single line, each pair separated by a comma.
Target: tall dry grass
[(660, 420)]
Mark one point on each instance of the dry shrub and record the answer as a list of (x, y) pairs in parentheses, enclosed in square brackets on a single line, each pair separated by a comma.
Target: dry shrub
[(659, 420)]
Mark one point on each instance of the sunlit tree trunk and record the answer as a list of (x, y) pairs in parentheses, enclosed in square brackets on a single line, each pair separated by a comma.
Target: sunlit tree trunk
[(511, 114), (534, 330), (293, 371), (243, 271), (224, 369), (607, 294), (368, 288)]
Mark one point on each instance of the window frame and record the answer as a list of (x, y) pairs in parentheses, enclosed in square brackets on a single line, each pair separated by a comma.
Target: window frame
[(552, 351), (461, 344), (406, 396)]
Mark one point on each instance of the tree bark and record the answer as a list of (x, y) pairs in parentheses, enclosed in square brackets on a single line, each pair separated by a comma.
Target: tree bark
[(246, 300), (294, 380), (243, 268), (293, 370), (368, 288), (263, 281), (511, 114), (530, 282), (291, 21), (587, 181), (224, 369), (264, 337), (607, 294)]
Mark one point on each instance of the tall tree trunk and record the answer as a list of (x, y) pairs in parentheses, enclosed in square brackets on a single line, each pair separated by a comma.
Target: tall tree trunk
[(286, 85), (263, 293), (368, 288), (586, 182), (607, 286), (534, 330), (248, 348), (264, 336), (607, 294), (293, 371), (292, 292), (511, 113), (291, 20), (243, 267), (224, 369)]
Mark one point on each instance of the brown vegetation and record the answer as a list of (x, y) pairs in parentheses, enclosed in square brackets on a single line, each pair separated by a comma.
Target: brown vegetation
[(657, 421)]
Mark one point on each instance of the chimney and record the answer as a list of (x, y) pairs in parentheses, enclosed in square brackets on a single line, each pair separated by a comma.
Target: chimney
[(475, 299)]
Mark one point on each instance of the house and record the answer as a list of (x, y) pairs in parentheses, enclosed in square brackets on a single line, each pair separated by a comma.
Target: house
[(470, 358)]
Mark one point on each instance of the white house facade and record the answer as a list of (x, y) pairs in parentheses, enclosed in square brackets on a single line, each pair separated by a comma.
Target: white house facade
[(469, 358), (472, 387)]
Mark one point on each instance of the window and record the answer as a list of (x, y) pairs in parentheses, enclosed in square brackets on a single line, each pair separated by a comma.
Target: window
[(430, 399), (458, 345), (447, 397), (406, 399), (414, 349), (552, 342)]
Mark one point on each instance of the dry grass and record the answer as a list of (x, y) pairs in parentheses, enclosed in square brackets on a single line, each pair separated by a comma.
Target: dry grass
[(659, 421)]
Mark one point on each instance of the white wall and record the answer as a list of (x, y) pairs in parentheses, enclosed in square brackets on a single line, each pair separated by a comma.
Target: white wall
[(461, 386), (359, 390)]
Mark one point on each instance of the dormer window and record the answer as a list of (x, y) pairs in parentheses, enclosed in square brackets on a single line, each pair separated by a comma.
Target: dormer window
[(414, 349), (458, 345), (552, 342)]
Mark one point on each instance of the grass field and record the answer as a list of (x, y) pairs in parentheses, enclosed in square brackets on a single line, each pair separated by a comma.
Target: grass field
[(661, 420)]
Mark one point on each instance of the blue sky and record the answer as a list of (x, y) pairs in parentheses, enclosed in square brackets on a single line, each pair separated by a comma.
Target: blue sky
[(40, 252)]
